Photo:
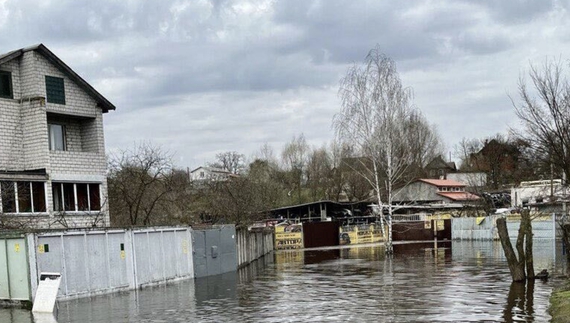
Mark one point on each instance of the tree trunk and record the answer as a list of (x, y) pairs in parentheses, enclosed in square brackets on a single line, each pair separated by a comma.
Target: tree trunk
[(527, 225), (566, 239), (516, 267)]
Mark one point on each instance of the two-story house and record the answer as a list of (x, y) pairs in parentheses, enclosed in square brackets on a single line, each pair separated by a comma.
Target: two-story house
[(52, 152)]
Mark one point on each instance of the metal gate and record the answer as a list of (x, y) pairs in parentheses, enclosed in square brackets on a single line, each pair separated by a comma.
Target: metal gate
[(14, 269), (320, 234), (214, 250)]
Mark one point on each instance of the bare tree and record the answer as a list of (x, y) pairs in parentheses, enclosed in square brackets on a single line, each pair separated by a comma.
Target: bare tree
[(544, 112), (319, 171), (464, 150), (240, 200), (231, 161), (424, 142), (139, 182), (294, 157), (378, 120)]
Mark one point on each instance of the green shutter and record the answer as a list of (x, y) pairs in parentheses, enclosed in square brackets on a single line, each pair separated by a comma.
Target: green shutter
[(55, 90)]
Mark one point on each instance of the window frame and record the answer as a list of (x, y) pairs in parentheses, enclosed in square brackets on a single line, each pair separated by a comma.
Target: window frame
[(51, 82), (63, 136), (10, 85), (76, 204), (30, 184)]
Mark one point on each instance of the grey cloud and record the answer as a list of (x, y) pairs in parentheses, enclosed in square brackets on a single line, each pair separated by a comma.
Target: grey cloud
[(519, 11), (202, 77)]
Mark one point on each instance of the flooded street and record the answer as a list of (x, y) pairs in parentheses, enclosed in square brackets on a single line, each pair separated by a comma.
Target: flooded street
[(455, 282)]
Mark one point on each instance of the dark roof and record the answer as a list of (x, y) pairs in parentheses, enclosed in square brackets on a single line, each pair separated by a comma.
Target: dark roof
[(102, 102), (438, 163)]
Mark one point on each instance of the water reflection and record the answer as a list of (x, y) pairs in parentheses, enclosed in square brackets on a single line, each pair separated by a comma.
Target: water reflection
[(443, 282), (519, 306)]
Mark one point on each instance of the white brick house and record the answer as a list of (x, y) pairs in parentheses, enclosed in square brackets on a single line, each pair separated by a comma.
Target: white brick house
[(52, 150)]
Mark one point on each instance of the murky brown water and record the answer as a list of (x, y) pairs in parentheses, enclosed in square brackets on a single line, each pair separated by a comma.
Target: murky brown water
[(457, 282)]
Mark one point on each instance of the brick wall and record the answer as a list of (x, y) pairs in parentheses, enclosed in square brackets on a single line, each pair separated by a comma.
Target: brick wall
[(24, 143), (77, 102)]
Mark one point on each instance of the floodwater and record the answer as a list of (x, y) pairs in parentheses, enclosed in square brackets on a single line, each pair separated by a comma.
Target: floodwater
[(447, 282)]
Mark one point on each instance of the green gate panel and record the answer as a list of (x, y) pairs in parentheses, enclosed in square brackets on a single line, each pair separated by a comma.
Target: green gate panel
[(14, 274), (18, 269), (4, 284)]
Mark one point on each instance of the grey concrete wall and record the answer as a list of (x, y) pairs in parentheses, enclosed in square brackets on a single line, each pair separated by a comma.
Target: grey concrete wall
[(103, 261), (468, 229), (252, 245)]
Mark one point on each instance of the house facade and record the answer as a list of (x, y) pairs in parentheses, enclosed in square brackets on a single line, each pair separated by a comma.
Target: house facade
[(203, 173), (52, 152), (434, 191)]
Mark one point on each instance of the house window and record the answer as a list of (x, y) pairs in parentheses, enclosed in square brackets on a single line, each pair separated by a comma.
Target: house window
[(74, 197), (201, 174), (23, 197), (8, 197), (56, 133), (6, 85), (55, 90)]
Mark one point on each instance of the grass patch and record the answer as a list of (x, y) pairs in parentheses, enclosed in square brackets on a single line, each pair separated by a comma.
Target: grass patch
[(560, 304)]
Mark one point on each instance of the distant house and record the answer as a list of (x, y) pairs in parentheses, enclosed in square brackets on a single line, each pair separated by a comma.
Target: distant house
[(203, 173), (438, 168), (432, 191), (499, 160)]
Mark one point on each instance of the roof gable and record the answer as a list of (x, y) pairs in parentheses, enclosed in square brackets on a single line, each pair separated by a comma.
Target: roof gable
[(102, 102)]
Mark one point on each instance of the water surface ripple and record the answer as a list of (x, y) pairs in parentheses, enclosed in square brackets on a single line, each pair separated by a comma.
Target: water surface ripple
[(455, 282)]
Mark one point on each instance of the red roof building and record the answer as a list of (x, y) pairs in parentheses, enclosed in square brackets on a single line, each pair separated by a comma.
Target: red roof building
[(424, 191)]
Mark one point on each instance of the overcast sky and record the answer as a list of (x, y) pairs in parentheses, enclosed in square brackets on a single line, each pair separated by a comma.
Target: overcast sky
[(203, 77)]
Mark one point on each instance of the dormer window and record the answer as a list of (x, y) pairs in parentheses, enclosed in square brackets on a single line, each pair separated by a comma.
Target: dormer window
[(55, 90), (6, 85)]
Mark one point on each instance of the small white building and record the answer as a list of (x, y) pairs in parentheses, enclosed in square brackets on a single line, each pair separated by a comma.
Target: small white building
[(533, 192), (203, 173)]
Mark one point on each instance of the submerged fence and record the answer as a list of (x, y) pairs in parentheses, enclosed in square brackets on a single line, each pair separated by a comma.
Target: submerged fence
[(95, 262), (252, 245), (485, 228), (101, 261)]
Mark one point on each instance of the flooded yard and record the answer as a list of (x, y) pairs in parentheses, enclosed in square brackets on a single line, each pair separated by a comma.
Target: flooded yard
[(447, 282)]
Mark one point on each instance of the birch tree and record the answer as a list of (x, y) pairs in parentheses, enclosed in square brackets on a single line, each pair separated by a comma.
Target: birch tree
[(377, 119)]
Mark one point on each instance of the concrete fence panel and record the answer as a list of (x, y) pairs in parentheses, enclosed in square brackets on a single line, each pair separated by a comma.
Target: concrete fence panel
[(96, 262), (90, 262), (253, 245), (543, 227), (162, 254)]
